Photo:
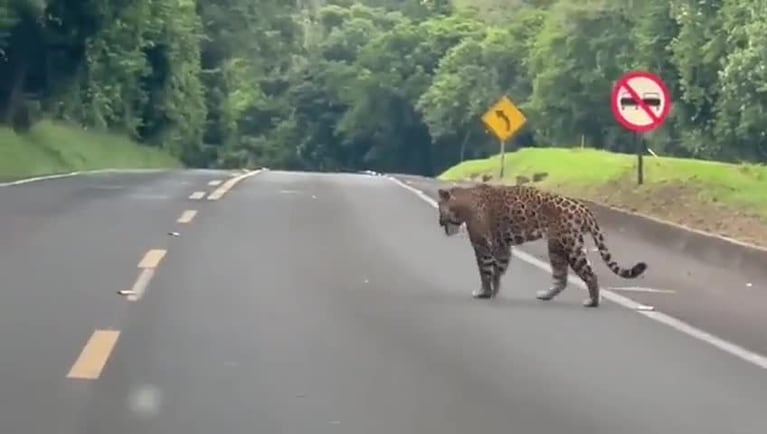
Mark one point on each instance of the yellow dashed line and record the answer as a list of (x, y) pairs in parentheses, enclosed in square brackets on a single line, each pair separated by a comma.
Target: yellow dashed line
[(99, 347), (139, 287), (94, 355), (187, 216), (220, 191), (152, 258), (149, 262), (228, 185)]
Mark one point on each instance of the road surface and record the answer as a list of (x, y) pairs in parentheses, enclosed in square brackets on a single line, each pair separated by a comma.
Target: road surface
[(316, 303), (730, 302)]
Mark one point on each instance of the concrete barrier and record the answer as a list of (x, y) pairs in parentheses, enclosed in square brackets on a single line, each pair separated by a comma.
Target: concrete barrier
[(708, 248)]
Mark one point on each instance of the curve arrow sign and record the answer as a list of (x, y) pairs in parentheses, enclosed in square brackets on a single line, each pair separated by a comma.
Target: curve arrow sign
[(504, 118)]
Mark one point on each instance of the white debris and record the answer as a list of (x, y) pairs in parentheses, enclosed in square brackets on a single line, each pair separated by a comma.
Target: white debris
[(144, 401)]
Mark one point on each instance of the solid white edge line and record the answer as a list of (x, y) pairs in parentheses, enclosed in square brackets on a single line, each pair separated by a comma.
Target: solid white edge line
[(76, 173), (678, 325), (641, 289), (39, 178)]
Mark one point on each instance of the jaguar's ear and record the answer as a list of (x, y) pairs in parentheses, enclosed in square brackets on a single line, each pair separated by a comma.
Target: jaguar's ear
[(443, 194)]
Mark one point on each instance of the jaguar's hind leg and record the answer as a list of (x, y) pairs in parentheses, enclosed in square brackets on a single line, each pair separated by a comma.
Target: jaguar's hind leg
[(580, 265)]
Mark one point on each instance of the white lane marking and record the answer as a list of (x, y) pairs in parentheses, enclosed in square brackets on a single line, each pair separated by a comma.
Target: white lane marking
[(215, 182), (641, 289), (728, 347), (76, 173), (96, 172), (39, 178), (197, 195)]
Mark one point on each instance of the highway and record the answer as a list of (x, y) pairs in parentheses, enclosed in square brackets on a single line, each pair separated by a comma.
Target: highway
[(321, 303)]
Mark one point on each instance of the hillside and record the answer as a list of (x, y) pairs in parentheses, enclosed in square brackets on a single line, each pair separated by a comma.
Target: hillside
[(55, 148), (716, 197)]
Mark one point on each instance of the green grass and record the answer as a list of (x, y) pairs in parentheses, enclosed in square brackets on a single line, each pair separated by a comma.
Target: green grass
[(585, 171), (50, 148)]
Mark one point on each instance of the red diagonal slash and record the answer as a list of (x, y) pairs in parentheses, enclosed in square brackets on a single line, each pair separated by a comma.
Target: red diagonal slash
[(635, 96)]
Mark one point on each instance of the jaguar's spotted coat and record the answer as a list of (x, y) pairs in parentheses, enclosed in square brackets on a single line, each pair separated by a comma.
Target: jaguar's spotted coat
[(499, 217)]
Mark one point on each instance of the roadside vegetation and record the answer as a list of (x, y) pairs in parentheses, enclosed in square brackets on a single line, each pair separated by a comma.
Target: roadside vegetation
[(50, 148), (723, 198)]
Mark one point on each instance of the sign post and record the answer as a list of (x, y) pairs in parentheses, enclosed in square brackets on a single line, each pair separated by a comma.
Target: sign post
[(640, 149), (641, 102), (504, 120)]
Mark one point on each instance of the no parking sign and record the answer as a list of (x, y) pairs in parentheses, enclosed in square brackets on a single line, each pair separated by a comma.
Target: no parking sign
[(641, 102)]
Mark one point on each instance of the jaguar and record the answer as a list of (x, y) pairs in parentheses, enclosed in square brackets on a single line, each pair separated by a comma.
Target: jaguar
[(498, 217)]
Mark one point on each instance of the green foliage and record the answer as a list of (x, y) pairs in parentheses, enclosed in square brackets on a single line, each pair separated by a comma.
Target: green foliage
[(59, 148), (390, 85), (584, 172)]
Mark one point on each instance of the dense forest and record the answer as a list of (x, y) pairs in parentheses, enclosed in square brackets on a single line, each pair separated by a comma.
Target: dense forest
[(388, 85)]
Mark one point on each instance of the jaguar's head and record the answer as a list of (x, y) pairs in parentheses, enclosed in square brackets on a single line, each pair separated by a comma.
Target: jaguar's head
[(451, 205)]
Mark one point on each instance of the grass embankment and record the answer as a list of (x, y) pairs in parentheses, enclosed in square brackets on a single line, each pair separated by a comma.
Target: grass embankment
[(729, 199), (50, 148)]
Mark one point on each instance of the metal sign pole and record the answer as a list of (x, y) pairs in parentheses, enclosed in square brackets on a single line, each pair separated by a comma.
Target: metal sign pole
[(503, 153), (640, 161)]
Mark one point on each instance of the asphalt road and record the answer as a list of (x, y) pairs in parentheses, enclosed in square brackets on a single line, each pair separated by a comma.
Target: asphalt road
[(316, 303), (729, 302)]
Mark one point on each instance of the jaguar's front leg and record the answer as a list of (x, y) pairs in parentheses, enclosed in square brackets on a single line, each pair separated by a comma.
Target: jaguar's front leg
[(502, 257), (486, 268)]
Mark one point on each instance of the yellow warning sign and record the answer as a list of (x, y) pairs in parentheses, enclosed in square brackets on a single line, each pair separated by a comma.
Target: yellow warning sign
[(504, 119)]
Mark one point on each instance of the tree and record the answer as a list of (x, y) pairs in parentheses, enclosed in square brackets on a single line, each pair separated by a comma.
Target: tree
[(392, 85)]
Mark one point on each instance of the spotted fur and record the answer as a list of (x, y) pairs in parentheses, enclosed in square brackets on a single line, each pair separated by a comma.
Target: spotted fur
[(499, 217)]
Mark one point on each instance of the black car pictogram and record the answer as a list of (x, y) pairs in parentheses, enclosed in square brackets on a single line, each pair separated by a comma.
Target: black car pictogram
[(652, 99)]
